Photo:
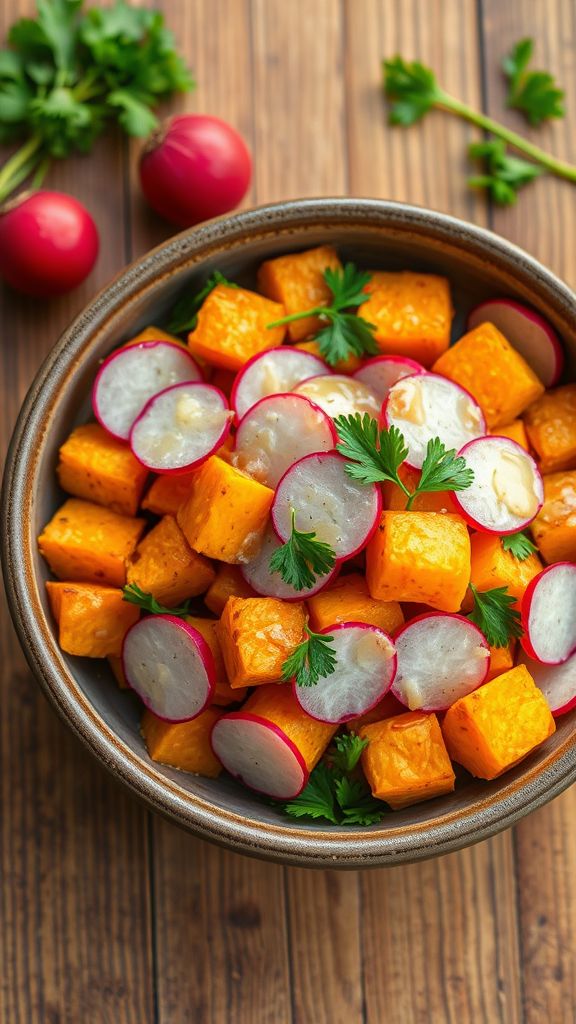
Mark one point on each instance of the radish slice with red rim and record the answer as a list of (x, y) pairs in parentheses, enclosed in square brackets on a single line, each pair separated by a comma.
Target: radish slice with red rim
[(327, 502), (382, 372), (365, 668), (339, 395), (277, 432), (259, 754), (549, 614), (557, 682), (270, 584), (180, 428), (170, 666), (507, 490), (130, 377), (441, 657), (271, 373), (424, 406), (532, 336)]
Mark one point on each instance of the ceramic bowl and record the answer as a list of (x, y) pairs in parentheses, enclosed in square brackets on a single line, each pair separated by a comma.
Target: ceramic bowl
[(376, 235)]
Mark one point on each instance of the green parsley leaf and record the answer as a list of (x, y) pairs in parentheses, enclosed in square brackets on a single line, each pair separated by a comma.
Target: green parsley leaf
[(135, 115), (412, 89), (535, 93), (375, 455), (134, 595), (495, 615), (334, 792), (356, 802), (317, 799), (313, 659), (347, 286), (519, 545), (184, 316), (302, 558), (346, 755), (443, 470), (506, 174)]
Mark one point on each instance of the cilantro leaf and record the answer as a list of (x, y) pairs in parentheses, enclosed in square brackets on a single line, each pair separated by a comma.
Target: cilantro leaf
[(317, 799), (184, 316), (134, 595), (356, 802), (347, 286), (313, 659), (347, 752), (302, 558), (535, 93), (506, 175), (375, 455), (519, 545), (443, 470), (495, 615), (412, 89), (135, 115)]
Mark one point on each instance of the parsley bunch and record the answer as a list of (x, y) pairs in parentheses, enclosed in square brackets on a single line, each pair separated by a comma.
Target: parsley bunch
[(335, 792), (67, 76), (134, 595), (302, 558)]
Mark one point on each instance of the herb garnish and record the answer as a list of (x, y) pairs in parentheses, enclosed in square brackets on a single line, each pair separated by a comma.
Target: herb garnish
[(134, 595), (313, 659), (334, 793), (519, 545), (495, 615), (302, 558)]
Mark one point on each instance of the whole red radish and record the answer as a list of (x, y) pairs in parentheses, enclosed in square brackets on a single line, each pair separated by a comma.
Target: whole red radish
[(195, 167), (48, 243)]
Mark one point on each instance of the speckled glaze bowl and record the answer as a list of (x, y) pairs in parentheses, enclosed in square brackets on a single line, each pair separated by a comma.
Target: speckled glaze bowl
[(374, 234)]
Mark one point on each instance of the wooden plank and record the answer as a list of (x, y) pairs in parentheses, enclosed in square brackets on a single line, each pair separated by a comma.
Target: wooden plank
[(544, 222)]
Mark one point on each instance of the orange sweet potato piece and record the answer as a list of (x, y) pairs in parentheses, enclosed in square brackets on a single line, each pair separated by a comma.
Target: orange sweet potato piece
[(165, 566), (87, 542), (406, 760), (224, 693), (115, 662), (492, 729), (229, 582), (554, 529), (485, 363), (516, 431), (551, 428), (348, 600), (297, 282), (167, 493), (278, 704), (152, 334), (348, 365), (96, 466), (183, 745), (492, 566), (430, 501), (226, 513), (233, 326), (92, 620), (420, 556), (257, 634), (501, 660), (412, 314)]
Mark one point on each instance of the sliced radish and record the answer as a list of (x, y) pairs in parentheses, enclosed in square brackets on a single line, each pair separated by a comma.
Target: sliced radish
[(340, 396), (270, 584), (532, 336), (129, 378), (549, 614), (257, 753), (441, 658), (340, 511), (507, 490), (180, 427), (365, 668), (277, 432), (272, 373), (170, 666), (382, 372), (426, 405), (557, 682)]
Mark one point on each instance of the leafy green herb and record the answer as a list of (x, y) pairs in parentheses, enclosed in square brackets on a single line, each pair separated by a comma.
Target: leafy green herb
[(134, 595), (184, 316), (347, 750), (443, 470), (302, 558), (519, 545), (67, 76), (495, 615), (535, 93), (505, 175), (334, 792), (313, 659), (317, 799), (356, 802), (345, 333)]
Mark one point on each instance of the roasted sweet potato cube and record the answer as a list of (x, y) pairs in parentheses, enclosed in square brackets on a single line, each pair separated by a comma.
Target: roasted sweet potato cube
[(516, 431), (429, 501), (233, 326), (165, 565), (226, 513), (184, 745), (297, 281), (406, 760), (348, 365), (420, 556), (348, 600), (551, 428), (500, 380), (229, 582), (412, 314), (117, 669), (167, 493), (278, 704), (96, 466), (87, 542), (153, 334), (492, 729), (224, 693), (92, 620), (554, 529), (492, 567), (257, 634), (501, 660)]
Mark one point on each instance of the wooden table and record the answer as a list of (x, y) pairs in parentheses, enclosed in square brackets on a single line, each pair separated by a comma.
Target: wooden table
[(108, 914)]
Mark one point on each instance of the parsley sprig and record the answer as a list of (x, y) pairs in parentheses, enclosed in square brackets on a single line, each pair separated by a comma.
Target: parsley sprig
[(495, 615), (535, 93), (334, 792), (376, 456), (302, 558), (134, 595), (519, 545), (345, 333), (184, 316), (313, 659), (504, 175)]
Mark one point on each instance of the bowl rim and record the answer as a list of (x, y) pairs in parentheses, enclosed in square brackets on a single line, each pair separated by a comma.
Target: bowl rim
[(295, 844)]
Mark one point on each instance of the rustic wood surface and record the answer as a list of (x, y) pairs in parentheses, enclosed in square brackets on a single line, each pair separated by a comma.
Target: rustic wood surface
[(111, 916)]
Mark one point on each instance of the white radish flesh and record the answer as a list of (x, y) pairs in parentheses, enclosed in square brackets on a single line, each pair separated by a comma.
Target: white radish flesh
[(549, 614), (327, 502), (270, 584), (532, 336), (382, 372), (425, 406), (557, 682), (440, 659), (277, 432), (170, 666), (130, 377), (340, 396), (259, 754), (179, 428), (365, 668), (507, 490), (271, 373)]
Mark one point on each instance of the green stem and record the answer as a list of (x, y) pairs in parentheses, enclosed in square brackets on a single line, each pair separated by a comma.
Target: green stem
[(40, 173), (315, 311), (558, 167), (11, 174)]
